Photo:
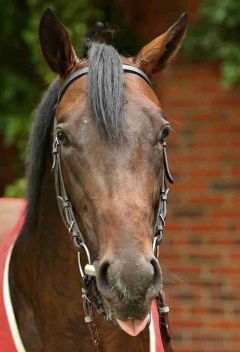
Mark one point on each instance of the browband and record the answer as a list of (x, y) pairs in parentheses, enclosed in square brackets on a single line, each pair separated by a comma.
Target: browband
[(84, 71)]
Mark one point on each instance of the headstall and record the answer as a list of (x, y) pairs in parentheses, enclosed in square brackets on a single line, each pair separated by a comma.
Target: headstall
[(90, 295)]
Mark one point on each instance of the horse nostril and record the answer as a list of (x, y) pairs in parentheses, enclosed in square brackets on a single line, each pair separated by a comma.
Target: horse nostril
[(102, 276), (157, 272)]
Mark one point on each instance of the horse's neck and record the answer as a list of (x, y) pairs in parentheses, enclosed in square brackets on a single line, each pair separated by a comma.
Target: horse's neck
[(46, 288), (45, 281), (46, 251)]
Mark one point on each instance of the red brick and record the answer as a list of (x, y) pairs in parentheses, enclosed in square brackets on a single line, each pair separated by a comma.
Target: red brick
[(207, 117), (188, 324), (235, 256), (189, 159), (227, 101), (183, 187), (235, 171), (207, 228), (225, 270), (226, 325), (186, 269), (173, 227), (227, 214), (180, 242), (206, 173), (207, 200), (204, 255)]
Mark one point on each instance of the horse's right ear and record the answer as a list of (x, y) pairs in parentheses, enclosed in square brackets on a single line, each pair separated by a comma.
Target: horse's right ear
[(157, 54), (56, 44)]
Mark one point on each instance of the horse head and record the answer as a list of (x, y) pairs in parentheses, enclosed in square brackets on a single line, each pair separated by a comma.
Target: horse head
[(111, 129)]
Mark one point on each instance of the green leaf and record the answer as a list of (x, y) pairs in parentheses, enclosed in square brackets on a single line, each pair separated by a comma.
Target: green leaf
[(216, 36)]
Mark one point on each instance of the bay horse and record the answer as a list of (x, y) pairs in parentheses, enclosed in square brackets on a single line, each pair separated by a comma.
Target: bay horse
[(102, 127)]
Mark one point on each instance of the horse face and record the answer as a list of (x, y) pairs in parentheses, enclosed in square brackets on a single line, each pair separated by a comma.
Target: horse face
[(114, 186)]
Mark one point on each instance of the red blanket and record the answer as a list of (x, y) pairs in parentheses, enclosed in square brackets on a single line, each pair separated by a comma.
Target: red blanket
[(11, 220)]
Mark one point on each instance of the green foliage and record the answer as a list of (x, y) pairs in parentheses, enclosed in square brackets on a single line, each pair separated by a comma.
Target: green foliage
[(217, 37), (23, 71), (17, 189)]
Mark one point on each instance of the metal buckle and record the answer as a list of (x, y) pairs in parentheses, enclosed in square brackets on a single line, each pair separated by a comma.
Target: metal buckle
[(164, 310), (156, 246), (164, 195), (54, 153), (89, 269)]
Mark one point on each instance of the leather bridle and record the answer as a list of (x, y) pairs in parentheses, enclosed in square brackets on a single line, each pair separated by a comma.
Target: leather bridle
[(90, 295)]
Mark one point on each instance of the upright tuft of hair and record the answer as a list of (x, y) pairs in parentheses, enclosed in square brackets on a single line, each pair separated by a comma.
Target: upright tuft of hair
[(100, 33), (106, 90)]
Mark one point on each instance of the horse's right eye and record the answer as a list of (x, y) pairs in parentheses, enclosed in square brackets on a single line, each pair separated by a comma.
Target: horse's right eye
[(165, 133), (62, 137)]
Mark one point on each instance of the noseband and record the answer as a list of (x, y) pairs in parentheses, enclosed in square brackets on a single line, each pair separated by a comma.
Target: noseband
[(90, 294)]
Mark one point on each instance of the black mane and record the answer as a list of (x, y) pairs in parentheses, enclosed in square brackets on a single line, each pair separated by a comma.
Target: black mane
[(38, 148), (106, 100), (106, 90)]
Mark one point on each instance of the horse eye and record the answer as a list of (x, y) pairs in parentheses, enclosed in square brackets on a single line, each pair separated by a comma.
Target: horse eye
[(62, 138), (165, 133)]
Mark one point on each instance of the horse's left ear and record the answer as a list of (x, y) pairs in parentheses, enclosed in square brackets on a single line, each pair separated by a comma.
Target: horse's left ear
[(157, 54), (56, 44)]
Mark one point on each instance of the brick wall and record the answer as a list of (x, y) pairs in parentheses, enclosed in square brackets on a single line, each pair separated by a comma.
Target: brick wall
[(201, 250)]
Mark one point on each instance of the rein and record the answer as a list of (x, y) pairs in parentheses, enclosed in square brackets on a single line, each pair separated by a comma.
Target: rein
[(90, 295)]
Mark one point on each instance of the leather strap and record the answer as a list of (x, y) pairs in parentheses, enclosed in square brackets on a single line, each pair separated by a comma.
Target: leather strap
[(132, 69), (77, 74), (84, 71), (163, 310)]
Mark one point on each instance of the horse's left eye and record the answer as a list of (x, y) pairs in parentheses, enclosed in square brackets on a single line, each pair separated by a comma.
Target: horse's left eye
[(62, 138), (165, 133)]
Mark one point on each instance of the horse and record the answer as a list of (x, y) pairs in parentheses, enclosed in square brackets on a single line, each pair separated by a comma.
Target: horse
[(98, 142)]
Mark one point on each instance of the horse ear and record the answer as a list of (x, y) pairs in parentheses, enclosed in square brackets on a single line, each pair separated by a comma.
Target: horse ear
[(56, 44), (157, 54)]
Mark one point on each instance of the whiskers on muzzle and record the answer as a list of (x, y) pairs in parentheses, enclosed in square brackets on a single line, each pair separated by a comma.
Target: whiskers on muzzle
[(128, 287)]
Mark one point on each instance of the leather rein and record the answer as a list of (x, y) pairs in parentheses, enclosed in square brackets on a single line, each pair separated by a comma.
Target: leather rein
[(90, 295)]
